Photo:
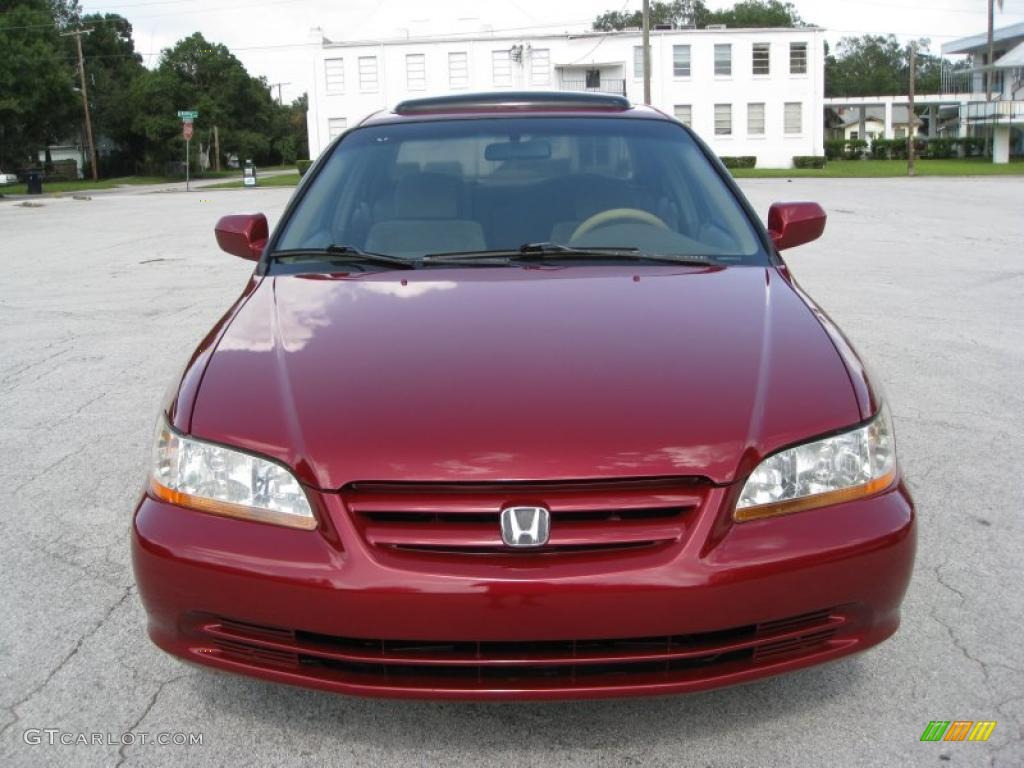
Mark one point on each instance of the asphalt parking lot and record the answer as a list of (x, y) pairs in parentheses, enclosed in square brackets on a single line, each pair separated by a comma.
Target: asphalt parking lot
[(101, 302)]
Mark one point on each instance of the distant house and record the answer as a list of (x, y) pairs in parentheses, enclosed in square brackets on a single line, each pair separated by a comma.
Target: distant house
[(874, 123), (74, 149)]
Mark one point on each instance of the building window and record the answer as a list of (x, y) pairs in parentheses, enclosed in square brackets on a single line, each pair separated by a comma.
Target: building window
[(798, 58), (638, 62), (416, 71), (854, 135), (540, 66), (501, 68), (368, 74), (458, 70), (680, 61), (762, 58), (901, 133), (755, 119), (723, 59), (794, 122), (336, 126), (723, 119), (683, 113), (593, 79), (334, 71)]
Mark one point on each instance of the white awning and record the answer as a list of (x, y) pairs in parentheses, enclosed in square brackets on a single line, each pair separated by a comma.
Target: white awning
[(1012, 58), (589, 64)]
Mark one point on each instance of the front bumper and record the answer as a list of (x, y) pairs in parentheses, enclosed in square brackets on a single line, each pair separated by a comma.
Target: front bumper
[(329, 609)]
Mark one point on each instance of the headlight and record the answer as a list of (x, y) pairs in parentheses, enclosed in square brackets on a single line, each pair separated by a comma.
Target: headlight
[(829, 471), (212, 478)]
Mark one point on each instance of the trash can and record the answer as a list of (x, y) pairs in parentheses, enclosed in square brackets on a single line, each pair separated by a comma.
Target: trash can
[(249, 174), (34, 182)]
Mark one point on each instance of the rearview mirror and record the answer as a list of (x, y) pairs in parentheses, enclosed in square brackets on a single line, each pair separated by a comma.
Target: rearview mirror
[(537, 149), (792, 224), (244, 235)]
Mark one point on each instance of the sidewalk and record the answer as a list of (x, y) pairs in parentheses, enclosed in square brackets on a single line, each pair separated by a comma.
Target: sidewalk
[(144, 189)]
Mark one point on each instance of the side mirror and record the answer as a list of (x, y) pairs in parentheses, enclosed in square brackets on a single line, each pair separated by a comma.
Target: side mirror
[(244, 235), (791, 224)]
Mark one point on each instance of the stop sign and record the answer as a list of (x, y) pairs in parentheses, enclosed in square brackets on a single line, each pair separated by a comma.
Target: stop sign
[(186, 130)]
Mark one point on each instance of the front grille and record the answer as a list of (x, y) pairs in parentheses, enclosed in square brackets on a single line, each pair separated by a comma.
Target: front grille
[(429, 663), (463, 518)]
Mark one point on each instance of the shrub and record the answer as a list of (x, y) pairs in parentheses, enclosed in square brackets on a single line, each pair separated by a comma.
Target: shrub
[(808, 161), (834, 148), (303, 166), (880, 148), (973, 145), (744, 161), (856, 149)]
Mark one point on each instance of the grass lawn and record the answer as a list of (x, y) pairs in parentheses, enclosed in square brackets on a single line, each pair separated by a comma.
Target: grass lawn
[(862, 169), (284, 180), (85, 185)]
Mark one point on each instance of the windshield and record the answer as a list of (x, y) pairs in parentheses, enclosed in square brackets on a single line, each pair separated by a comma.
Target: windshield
[(464, 186)]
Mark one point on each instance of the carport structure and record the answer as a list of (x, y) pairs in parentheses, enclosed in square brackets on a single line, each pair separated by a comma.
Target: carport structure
[(935, 104), (985, 99), (997, 106)]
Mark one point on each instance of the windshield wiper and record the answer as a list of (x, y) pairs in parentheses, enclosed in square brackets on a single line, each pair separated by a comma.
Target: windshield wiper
[(556, 251), (343, 253)]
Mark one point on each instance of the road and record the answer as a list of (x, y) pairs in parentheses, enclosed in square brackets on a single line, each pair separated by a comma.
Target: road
[(101, 302)]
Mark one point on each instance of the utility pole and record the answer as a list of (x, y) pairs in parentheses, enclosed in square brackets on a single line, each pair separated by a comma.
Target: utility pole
[(988, 69), (77, 34), (216, 149), (647, 51), (911, 120), (278, 86)]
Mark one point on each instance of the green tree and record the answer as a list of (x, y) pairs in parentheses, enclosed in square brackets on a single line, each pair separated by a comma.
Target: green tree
[(875, 65), (37, 97), (291, 140), (758, 13), (677, 14), (207, 77), (154, 127), (694, 13), (112, 66), (869, 65)]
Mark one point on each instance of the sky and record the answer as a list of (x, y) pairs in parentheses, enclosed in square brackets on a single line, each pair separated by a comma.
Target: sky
[(271, 37)]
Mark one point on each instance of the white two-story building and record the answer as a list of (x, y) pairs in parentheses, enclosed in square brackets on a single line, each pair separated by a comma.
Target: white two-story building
[(746, 92)]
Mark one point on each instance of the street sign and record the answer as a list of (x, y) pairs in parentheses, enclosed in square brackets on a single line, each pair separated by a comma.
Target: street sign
[(186, 130), (188, 114)]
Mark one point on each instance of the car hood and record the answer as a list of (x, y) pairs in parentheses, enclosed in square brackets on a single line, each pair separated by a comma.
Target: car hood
[(546, 373)]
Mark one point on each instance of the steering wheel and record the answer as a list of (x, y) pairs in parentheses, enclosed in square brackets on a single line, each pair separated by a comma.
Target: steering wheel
[(601, 218)]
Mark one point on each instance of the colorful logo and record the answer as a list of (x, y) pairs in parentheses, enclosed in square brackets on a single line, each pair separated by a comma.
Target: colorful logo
[(958, 730)]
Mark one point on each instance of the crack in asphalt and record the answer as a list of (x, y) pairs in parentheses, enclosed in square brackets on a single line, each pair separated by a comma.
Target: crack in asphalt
[(938, 576), (11, 376), (987, 674), (42, 472), (63, 662), (121, 751)]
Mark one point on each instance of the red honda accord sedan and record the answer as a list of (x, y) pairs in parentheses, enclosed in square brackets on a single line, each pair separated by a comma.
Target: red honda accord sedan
[(521, 401)]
